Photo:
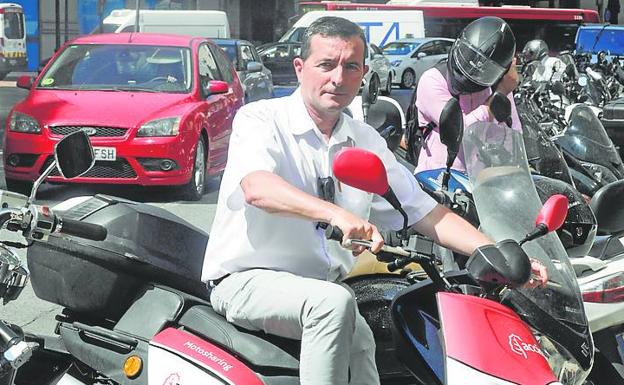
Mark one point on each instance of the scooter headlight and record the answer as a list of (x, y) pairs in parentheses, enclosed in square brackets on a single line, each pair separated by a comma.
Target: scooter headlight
[(564, 366)]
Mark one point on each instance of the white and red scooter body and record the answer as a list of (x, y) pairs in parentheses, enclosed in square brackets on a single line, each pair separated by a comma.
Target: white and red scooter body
[(487, 343), (178, 357)]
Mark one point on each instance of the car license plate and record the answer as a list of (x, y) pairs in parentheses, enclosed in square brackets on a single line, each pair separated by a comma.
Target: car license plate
[(105, 153), (12, 62)]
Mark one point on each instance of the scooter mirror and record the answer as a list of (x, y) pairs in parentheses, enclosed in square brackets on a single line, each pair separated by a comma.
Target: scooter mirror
[(364, 170), (570, 70), (558, 88), (500, 106), (361, 169), (553, 212), (550, 217), (451, 127), (74, 155)]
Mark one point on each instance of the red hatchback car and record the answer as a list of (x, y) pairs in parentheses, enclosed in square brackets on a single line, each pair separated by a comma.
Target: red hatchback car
[(158, 108)]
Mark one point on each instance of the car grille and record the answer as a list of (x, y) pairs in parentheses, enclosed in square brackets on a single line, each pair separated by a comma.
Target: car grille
[(99, 131), (102, 169)]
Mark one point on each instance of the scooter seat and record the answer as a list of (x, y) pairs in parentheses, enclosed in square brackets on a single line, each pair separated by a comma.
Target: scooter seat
[(256, 348)]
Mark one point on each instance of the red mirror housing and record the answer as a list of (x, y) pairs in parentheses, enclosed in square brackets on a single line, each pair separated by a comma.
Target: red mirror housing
[(361, 169), (218, 87), (25, 82), (553, 212)]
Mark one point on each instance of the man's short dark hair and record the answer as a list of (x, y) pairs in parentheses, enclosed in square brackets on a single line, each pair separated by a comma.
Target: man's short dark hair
[(331, 26)]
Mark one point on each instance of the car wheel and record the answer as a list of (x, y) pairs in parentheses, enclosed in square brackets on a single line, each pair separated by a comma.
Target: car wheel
[(408, 78), (19, 186), (388, 88), (194, 189), (373, 87)]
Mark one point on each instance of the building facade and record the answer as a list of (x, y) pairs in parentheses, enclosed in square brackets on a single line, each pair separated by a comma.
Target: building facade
[(50, 23)]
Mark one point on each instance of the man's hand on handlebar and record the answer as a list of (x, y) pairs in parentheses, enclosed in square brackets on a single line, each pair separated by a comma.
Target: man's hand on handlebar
[(354, 227), (539, 275)]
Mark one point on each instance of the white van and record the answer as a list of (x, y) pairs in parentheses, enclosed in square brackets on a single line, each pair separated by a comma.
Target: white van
[(380, 27), (12, 39), (211, 24)]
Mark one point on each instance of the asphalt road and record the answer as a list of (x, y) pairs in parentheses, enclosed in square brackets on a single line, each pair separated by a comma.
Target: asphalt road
[(37, 316)]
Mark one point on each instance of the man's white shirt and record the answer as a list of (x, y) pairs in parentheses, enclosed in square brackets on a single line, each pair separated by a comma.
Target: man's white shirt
[(278, 135)]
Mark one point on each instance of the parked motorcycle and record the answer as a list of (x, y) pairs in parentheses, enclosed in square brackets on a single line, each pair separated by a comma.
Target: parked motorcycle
[(601, 275)]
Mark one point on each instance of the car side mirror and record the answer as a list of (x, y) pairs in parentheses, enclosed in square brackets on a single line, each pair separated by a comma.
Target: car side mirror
[(254, 66), (25, 82), (215, 87), (421, 55)]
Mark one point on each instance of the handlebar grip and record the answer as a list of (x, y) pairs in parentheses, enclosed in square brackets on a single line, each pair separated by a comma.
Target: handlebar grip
[(397, 264), (83, 229), (8, 336), (333, 233)]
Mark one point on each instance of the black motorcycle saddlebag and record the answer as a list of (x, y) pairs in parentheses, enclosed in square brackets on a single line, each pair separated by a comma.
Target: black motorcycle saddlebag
[(613, 122), (144, 244)]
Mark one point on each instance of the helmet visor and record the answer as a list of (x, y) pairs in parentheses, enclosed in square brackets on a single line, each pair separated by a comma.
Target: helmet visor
[(479, 68)]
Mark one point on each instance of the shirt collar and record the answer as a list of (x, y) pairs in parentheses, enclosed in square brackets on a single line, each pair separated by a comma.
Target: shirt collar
[(301, 122)]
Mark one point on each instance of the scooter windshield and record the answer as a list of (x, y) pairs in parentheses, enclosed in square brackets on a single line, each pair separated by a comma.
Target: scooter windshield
[(507, 204), (543, 156), (586, 139)]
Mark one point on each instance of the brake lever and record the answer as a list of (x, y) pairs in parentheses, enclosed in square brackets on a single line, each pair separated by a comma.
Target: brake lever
[(388, 249)]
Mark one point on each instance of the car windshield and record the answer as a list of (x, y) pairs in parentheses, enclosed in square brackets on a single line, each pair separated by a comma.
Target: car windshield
[(610, 40), (13, 25), (118, 67), (399, 48)]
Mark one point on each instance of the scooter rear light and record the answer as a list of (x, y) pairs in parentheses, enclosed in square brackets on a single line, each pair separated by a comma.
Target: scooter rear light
[(608, 289)]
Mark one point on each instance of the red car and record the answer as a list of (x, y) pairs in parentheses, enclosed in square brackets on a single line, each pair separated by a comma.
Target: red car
[(158, 108)]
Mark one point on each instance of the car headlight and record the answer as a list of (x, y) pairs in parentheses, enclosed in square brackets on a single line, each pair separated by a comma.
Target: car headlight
[(396, 63), (21, 122), (160, 127)]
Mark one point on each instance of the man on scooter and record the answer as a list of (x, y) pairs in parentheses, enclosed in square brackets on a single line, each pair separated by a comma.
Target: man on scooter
[(267, 260), (481, 60)]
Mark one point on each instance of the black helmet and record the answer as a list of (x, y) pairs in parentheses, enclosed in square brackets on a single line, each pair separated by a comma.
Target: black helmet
[(579, 228), (481, 55), (534, 50)]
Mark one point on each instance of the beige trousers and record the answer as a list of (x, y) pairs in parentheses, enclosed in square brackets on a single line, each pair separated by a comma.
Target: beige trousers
[(335, 339)]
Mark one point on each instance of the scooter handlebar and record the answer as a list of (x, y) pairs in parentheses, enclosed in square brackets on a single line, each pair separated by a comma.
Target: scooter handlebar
[(81, 229), (333, 233)]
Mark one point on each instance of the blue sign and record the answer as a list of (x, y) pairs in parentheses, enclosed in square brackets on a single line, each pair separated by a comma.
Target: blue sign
[(394, 28)]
